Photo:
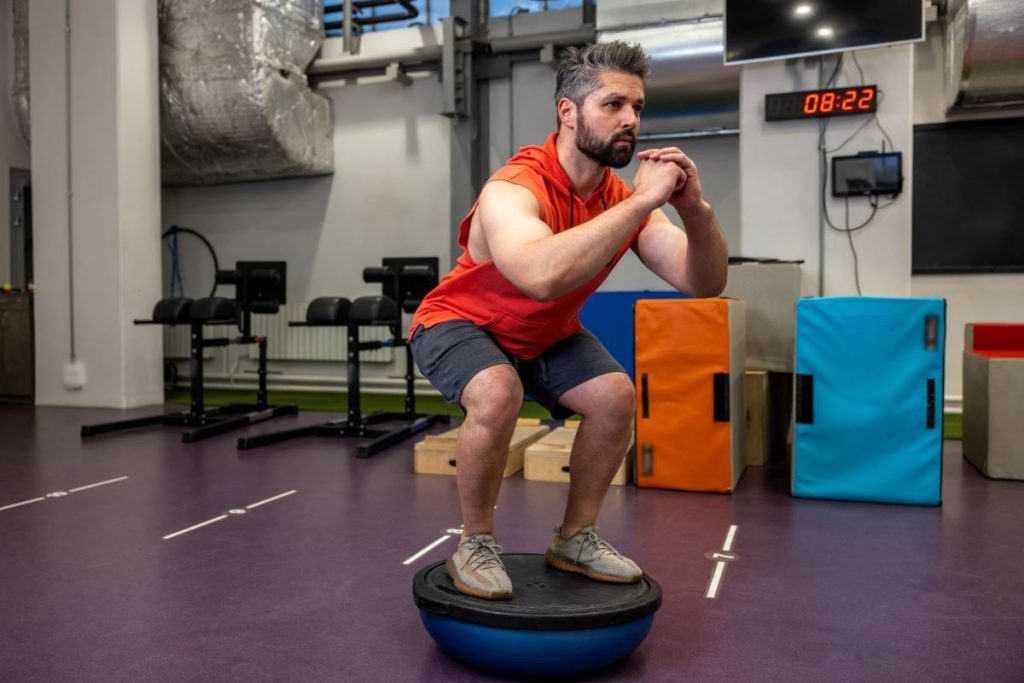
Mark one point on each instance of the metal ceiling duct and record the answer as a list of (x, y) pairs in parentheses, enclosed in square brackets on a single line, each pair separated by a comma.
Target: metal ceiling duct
[(19, 87), (985, 54), (235, 104), (689, 89)]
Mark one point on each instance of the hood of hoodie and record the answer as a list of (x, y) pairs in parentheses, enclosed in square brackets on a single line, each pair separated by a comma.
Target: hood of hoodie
[(544, 160)]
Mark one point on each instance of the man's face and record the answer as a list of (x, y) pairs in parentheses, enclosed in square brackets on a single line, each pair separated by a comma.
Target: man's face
[(607, 123)]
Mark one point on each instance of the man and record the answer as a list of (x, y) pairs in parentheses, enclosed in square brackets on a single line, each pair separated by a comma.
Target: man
[(545, 232)]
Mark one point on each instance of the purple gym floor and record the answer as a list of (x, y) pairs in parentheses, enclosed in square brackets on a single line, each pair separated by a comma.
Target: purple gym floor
[(312, 585)]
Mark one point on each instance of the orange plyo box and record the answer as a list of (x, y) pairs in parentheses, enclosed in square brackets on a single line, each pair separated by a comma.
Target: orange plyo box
[(691, 411)]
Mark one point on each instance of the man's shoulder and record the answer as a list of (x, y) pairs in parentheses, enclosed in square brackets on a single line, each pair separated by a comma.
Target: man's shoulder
[(516, 173)]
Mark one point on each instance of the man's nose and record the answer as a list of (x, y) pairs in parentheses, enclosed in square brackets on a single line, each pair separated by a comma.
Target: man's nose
[(630, 119)]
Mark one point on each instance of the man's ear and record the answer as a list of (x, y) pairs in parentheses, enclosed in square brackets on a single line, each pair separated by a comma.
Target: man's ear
[(567, 113)]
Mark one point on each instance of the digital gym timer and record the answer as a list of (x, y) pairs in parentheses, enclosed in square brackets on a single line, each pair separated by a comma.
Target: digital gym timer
[(816, 104)]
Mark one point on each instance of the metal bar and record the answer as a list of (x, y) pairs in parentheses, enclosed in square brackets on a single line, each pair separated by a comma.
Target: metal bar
[(347, 44), (535, 41), (410, 379), (354, 408), (261, 393), (195, 361), (711, 132), (353, 62), (246, 443)]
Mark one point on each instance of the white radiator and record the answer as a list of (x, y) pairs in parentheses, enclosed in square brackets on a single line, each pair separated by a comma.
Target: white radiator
[(283, 342), (313, 343), (177, 340)]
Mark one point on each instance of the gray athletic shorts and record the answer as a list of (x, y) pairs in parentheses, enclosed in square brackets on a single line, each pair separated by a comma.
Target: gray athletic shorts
[(451, 353)]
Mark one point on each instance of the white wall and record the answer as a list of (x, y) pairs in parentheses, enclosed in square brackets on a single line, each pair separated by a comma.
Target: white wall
[(969, 298), (780, 181), (115, 207), (13, 150)]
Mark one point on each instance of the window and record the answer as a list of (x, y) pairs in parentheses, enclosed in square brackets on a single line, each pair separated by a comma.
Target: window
[(428, 12)]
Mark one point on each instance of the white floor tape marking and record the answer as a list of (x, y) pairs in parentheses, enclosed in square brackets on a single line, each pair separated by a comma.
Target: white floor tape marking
[(24, 502), (222, 517), (100, 483), (264, 502), (193, 528), (716, 578), (426, 550), (80, 488)]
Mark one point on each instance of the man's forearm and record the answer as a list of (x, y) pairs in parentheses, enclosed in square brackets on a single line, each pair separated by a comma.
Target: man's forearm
[(707, 254), (563, 262)]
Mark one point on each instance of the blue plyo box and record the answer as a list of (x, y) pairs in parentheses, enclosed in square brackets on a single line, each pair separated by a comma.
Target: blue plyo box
[(869, 398), (609, 316)]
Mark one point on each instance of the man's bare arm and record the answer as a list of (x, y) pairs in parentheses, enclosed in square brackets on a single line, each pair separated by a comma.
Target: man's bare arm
[(691, 261), (545, 265), (695, 262)]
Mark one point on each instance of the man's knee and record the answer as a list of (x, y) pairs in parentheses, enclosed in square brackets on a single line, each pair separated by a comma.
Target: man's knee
[(615, 399), (494, 395)]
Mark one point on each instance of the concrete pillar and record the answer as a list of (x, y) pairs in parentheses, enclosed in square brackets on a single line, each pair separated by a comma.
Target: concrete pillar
[(115, 203)]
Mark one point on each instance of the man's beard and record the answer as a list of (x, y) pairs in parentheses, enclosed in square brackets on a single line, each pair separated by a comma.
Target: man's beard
[(605, 153)]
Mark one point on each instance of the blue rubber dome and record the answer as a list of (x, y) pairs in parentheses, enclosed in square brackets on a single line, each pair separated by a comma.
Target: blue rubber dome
[(557, 624)]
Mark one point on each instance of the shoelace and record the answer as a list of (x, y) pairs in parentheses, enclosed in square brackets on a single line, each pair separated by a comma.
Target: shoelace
[(599, 546), (484, 555)]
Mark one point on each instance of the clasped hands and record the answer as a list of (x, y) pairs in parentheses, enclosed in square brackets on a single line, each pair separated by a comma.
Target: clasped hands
[(668, 176)]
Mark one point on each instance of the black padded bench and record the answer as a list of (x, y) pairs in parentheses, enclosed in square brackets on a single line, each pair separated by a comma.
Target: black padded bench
[(409, 280)]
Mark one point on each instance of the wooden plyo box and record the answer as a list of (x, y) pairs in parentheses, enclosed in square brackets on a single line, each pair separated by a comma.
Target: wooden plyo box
[(548, 458), (436, 454), (757, 417)]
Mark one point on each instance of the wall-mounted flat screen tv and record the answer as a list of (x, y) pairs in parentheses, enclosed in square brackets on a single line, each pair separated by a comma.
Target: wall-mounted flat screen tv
[(762, 30)]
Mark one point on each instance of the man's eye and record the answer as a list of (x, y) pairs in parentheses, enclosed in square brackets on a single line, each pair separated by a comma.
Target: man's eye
[(614, 105)]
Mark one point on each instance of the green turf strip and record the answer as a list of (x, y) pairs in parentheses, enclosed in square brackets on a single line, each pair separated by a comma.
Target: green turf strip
[(953, 426)]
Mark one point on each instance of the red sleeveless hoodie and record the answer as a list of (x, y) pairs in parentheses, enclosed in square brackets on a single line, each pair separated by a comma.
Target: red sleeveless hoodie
[(479, 293)]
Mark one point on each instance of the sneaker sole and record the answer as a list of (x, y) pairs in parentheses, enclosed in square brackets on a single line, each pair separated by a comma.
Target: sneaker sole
[(558, 563), (469, 590)]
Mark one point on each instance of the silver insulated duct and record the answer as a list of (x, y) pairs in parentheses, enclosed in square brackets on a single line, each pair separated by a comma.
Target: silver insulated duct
[(235, 104), (985, 54), (689, 89), (19, 86)]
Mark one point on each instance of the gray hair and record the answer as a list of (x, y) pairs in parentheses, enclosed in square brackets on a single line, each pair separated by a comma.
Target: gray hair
[(579, 73)]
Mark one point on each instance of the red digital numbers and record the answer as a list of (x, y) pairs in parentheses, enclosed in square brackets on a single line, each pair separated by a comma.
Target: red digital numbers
[(849, 100), (820, 103), (831, 101)]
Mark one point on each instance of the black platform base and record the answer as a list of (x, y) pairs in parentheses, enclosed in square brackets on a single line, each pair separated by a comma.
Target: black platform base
[(557, 626), (206, 424), (377, 439), (544, 598)]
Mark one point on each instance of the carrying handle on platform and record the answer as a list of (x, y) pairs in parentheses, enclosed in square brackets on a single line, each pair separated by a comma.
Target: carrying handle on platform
[(931, 332), (805, 399), (930, 422), (721, 396), (648, 459), (645, 407)]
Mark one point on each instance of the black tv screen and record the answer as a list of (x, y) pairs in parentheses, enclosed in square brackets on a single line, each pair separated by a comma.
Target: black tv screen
[(867, 174), (761, 30), (968, 208)]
